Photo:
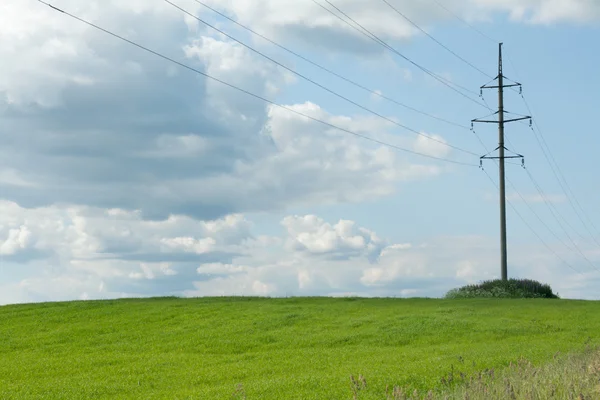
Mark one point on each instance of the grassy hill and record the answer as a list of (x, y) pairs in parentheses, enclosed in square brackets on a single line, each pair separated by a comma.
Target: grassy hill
[(299, 348)]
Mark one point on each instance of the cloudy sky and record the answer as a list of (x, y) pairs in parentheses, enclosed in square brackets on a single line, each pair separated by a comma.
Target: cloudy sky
[(124, 174)]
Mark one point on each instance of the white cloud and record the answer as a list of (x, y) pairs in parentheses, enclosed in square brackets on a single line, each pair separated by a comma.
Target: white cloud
[(311, 24), (114, 253), (313, 235), (18, 239), (189, 244), (545, 11), (151, 271), (436, 147), (84, 234), (132, 193), (420, 269), (189, 145), (221, 269), (121, 174)]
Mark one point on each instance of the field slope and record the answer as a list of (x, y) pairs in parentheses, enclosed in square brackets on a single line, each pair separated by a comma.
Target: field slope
[(276, 348)]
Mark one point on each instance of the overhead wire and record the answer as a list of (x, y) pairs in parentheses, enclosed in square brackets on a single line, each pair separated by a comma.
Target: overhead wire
[(321, 86), (552, 207), (533, 230), (477, 136), (273, 103), (514, 188), (455, 15), (557, 171), (192, 69), (524, 200), (576, 248), (554, 212), (557, 217), (564, 184), (197, 71), (410, 21), (364, 31), (329, 71)]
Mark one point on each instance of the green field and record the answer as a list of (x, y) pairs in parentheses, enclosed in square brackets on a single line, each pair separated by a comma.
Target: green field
[(294, 348)]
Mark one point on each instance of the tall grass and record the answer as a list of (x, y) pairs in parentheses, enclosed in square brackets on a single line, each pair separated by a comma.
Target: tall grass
[(569, 377)]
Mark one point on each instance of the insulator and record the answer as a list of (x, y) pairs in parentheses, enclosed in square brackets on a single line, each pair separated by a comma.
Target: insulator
[(520, 89)]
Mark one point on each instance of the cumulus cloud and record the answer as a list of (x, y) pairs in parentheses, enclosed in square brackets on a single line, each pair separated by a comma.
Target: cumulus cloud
[(92, 253), (545, 11), (343, 240), (122, 174), (108, 252), (112, 127), (18, 239), (297, 266), (142, 169), (309, 24), (90, 237)]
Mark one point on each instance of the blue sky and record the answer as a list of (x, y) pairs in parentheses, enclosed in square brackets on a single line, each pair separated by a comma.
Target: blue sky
[(123, 175), (540, 57)]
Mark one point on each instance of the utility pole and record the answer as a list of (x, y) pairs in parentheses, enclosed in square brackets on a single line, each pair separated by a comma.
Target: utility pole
[(501, 155), (503, 250)]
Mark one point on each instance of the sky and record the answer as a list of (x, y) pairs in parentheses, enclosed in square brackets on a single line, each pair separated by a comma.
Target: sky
[(123, 174)]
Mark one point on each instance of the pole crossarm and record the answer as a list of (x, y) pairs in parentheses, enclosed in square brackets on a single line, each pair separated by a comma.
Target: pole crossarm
[(518, 119), (487, 121), (498, 158), (505, 157), (498, 87), (501, 86)]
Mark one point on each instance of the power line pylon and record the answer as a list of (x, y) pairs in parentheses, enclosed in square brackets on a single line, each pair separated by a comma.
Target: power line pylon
[(501, 154)]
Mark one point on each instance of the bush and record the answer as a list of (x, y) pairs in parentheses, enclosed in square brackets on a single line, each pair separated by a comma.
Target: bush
[(513, 289)]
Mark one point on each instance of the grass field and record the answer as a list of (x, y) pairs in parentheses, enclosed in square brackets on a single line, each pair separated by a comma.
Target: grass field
[(275, 348)]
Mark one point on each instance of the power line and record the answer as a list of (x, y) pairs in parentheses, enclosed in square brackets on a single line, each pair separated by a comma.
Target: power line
[(465, 22), (558, 175), (530, 207), (532, 210), (379, 41), (318, 84), (250, 93), (552, 207), (556, 170), (286, 108), (501, 160), (541, 193), (435, 40), (533, 230), (329, 71), (538, 216)]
